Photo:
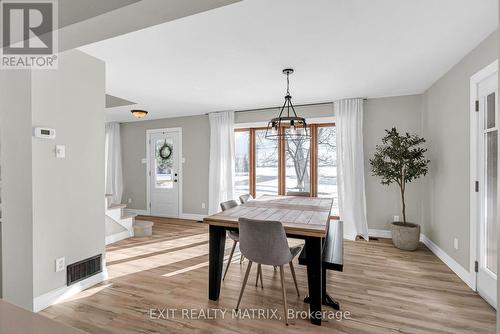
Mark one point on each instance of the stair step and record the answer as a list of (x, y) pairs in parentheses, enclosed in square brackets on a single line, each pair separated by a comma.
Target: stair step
[(117, 206), (127, 216), (143, 228)]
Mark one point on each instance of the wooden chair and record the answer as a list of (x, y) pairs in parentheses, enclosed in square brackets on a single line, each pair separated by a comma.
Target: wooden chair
[(265, 242)]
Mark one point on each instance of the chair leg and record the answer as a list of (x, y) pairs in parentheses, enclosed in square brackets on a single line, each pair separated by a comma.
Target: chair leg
[(244, 283), (283, 290), (230, 258), (241, 258), (294, 278), (261, 283), (258, 274)]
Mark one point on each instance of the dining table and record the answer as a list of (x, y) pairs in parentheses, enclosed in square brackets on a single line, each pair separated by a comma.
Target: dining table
[(302, 218)]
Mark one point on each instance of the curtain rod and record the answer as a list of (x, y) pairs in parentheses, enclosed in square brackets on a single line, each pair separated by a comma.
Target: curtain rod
[(278, 107)]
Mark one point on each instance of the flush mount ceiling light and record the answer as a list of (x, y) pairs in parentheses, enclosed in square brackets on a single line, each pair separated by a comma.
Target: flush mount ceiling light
[(139, 113), (287, 125)]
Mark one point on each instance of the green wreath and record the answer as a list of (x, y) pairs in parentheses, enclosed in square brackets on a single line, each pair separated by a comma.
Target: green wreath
[(164, 155)]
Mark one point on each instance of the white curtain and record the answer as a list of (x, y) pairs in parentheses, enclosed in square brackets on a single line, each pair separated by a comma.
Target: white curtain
[(220, 183), (113, 151), (350, 167)]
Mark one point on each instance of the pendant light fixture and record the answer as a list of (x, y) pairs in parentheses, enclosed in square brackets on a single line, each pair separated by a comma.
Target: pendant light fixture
[(139, 113), (287, 125)]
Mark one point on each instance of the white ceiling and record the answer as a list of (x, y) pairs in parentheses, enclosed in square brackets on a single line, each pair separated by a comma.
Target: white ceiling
[(231, 58)]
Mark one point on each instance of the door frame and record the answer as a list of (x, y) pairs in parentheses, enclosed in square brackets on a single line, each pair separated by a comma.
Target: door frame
[(149, 132), (474, 163)]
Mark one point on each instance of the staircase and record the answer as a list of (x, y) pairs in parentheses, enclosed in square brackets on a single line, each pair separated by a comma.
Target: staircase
[(119, 226)]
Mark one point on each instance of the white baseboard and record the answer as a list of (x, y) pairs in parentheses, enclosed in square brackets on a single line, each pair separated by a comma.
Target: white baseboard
[(189, 216), (135, 212), (192, 216), (55, 296), (118, 236), (380, 233), (460, 271)]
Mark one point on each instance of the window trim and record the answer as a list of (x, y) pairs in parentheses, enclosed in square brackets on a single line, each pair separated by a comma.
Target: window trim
[(313, 150)]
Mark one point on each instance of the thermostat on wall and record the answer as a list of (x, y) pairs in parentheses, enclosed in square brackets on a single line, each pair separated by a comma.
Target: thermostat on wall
[(45, 133)]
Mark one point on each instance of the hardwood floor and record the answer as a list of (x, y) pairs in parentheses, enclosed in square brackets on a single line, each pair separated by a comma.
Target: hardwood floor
[(384, 290)]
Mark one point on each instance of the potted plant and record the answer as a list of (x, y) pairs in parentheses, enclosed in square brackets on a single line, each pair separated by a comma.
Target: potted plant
[(400, 159)]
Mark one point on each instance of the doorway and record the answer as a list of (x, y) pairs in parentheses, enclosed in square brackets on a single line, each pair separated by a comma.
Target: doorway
[(164, 172), (484, 197)]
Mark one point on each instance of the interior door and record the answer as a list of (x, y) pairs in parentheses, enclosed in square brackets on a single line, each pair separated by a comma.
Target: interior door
[(488, 189), (164, 173)]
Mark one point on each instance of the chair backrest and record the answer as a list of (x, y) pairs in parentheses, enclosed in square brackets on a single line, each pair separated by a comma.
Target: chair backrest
[(298, 193), (264, 241), (228, 205), (245, 198)]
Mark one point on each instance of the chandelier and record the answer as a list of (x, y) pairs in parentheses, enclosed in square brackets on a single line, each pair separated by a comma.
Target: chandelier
[(287, 125)]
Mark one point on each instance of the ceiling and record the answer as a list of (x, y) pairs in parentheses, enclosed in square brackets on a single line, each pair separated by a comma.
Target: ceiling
[(231, 58)]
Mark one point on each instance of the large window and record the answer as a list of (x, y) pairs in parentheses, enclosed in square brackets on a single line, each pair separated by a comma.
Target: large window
[(266, 164), (275, 167), (242, 162)]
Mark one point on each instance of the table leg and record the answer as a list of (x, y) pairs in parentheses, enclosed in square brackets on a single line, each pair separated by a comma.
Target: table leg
[(327, 300), (314, 282), (217, 242)]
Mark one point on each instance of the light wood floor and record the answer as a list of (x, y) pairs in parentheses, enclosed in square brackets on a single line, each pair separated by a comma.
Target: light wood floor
[(384, 289)]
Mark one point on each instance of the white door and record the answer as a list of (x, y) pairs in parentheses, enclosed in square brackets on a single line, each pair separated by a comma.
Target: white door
[(164, 173), (487, 188)]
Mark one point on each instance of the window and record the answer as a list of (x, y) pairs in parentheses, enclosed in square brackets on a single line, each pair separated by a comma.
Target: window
[(297, 164), (327, 165), (274, 167), (163, 173), (242, 163), (266, 164)]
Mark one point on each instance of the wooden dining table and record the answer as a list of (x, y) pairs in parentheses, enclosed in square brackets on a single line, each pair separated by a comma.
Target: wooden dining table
[(302, 217)]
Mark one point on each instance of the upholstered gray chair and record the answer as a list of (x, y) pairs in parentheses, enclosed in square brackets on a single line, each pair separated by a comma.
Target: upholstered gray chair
[(298, 193), (265, 242), (231, 234), (245, 198)]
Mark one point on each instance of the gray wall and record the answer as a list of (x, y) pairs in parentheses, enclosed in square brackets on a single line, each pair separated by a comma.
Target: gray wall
[(403, 112), (17, 200), (51, 207), (384, 202), (68, 194), (446, 127), (195, 149)]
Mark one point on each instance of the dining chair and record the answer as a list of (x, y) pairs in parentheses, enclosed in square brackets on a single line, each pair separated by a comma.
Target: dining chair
[(265, 242), (245, 198), (233, 235), (298, 193)]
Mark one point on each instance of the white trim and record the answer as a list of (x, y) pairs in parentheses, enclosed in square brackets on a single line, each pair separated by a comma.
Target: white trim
[(119, 236), (474, 176), (466, 276), (458, 269), (192, 216), (56, 296), (180, 173), (380, 233), (263, 124), (135, 212)]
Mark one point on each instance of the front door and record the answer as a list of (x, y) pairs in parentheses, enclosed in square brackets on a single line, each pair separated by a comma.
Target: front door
[(488, 188), (164, 173)]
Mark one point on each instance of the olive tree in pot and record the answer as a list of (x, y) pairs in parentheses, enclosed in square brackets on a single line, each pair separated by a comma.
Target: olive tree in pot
[(400, 159)]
